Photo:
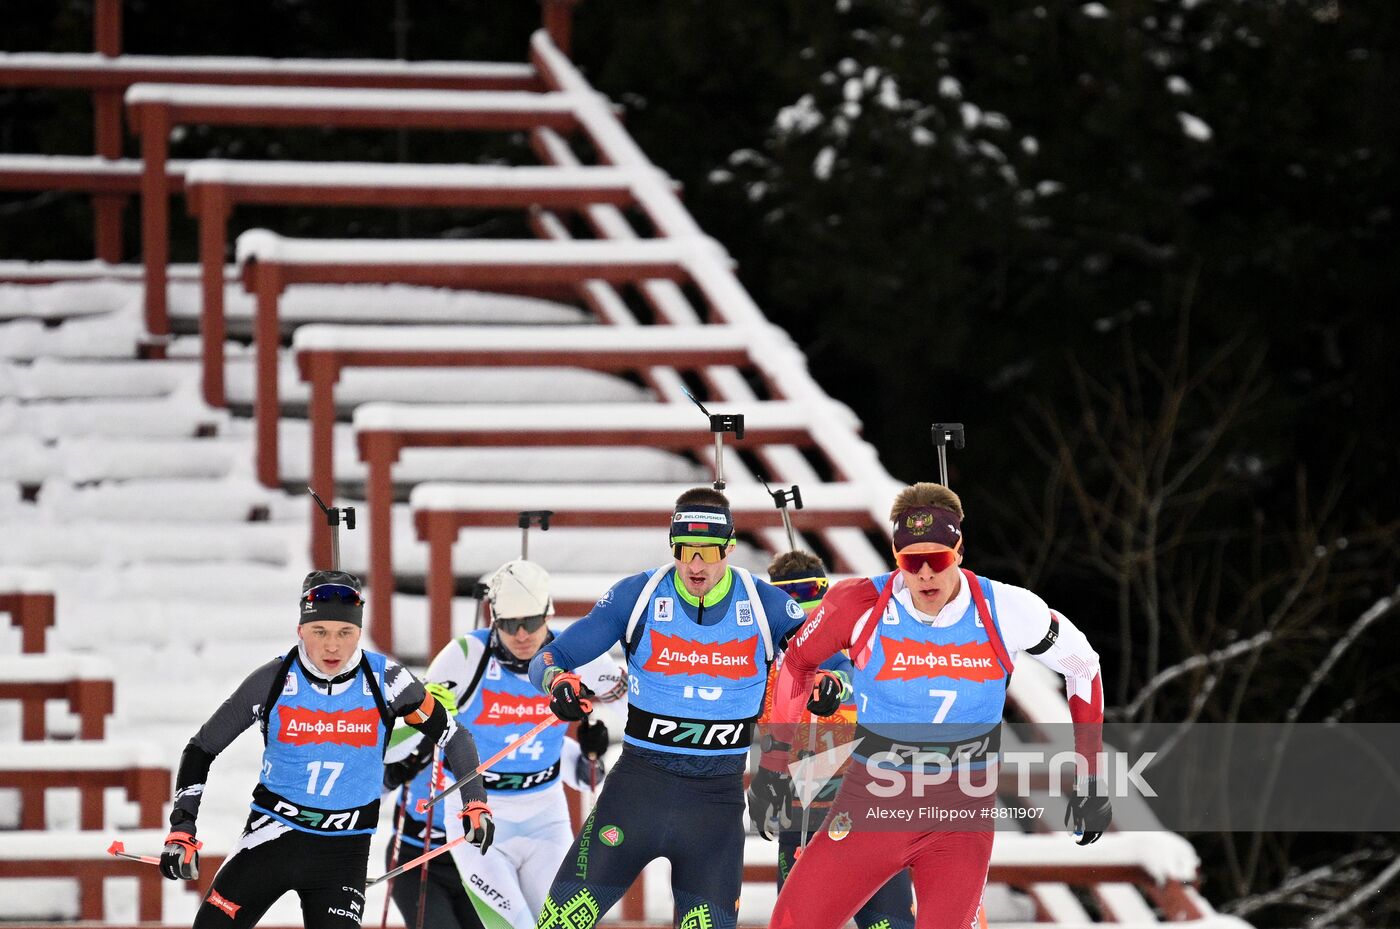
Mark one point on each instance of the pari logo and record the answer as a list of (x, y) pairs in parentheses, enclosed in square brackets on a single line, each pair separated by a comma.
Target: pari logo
[(299, 726), (503, 709), (674, 655), (906, 660)]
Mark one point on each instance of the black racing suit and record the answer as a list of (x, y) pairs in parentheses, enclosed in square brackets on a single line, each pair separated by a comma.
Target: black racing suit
[(289, 846)]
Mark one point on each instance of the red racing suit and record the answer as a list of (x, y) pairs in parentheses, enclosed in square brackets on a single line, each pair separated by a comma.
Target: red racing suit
[(875, 619)]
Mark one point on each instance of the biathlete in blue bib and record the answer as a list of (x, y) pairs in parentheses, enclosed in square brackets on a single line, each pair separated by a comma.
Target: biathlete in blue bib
[(326, 710), (930, 647), (482, 678), (699, 635)]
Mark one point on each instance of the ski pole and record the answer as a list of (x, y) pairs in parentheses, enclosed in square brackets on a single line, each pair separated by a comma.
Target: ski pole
[(335, 515), (541, 726), (401, 815), (433, 778), (812, 796), (943, 433), (421, 859), (118, 850), (720, 423)]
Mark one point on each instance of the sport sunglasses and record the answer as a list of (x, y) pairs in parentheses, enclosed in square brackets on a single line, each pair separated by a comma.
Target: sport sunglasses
[(334, 593), (804, 589), (940, 560), (710, 554), (512, 626)]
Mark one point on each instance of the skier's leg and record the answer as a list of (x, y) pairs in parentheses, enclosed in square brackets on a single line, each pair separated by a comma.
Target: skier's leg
[(892, 906), (490, 883), (332, 881), (404, 888), (835, 877), (251, 880), (538, 850), (624, 832), (707, 871), (950, 873)]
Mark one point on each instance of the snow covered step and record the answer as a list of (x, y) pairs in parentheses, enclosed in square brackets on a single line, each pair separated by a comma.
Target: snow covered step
[(110, 335), (139, 769), (540, 423), (233, 500), (67, 300), (731, 342), (633, 504), (80, 756), (82, 855), (56, 379), (158, 419), (400, 304), (608, 552), (39, 544), (194, 623), (439, 385), (586, 465), (250, 585), (28, 459)]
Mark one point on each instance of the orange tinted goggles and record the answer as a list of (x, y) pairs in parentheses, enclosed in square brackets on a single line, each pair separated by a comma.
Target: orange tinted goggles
[(710, 554), (940, 560)]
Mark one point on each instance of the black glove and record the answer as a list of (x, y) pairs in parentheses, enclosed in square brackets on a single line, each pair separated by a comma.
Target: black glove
[(827, 691), (592, 738), (179, 859), (590, 771), (478, 825), (770, 797), (398, 773), (1088, 813), (568, 698)]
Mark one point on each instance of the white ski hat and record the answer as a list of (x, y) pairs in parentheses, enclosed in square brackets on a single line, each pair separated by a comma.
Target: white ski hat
[(519, 589)]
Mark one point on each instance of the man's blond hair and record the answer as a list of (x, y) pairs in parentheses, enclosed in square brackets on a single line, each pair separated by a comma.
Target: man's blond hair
[(925, 494)]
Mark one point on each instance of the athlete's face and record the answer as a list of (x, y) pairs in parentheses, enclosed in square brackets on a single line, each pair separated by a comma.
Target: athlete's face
[(699, 575), (520, 641), (930, 588), (330, 644)]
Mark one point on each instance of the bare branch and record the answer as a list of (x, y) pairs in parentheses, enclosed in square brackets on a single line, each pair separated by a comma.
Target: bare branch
[(1195, 663), (1362, 895)]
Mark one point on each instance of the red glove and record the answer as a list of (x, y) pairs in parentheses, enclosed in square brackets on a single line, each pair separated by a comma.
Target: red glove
[(179, 860), (568, 698), (827, 690)]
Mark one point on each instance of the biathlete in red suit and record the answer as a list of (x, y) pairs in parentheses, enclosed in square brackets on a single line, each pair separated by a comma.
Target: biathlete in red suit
[(931, 647)]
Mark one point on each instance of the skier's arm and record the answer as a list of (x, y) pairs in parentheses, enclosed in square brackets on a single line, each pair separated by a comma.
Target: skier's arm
[(410, 701), (831, 628), (587, 638), (234, 715), (1029, 626)]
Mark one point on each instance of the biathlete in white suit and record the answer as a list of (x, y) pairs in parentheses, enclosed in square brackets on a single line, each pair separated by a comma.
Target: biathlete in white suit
[(483, 676)]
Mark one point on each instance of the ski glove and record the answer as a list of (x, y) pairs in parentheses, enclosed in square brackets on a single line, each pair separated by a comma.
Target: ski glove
[(568, 698), (398, 773), (828, 689), (179, 860), (477, 824), (590, 771), (1088, 812), (592, 738), (770, 797)]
